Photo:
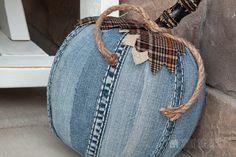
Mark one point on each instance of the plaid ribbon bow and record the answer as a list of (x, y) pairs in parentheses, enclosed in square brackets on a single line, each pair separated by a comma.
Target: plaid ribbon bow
[(161, 50)]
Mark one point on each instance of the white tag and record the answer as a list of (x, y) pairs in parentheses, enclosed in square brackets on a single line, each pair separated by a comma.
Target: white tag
[(130, 39), (123, 30), (139, 57)]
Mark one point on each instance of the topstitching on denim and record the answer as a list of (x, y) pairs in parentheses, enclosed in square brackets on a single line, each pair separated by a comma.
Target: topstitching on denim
[(103, 104), (177, 97), (104, 101)]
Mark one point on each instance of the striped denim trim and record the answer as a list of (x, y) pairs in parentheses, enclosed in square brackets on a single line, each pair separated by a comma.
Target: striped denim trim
[(178, 95), (104, 102)]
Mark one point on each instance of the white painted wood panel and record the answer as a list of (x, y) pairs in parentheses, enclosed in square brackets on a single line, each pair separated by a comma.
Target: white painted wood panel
[(24, 71), (12, 20), (9, 47), (23, 63), (26, 61), (21, 78)]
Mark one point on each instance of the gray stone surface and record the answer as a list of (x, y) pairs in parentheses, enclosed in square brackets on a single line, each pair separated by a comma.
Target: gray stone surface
[(153, 7), (212, 30), (215, 135), (24, 130)]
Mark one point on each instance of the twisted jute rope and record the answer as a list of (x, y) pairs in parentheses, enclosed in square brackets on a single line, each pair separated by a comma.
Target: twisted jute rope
[(173, 113)]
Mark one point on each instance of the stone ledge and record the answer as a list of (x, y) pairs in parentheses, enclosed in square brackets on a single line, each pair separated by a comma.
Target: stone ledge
[(216, 131)]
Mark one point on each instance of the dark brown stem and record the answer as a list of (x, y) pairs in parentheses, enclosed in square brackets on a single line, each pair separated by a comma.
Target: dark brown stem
[(172, 16)]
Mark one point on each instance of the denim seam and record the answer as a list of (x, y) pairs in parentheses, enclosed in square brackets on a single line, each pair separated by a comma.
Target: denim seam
[(104, 101), (56, 61), (103, 104), (167, 134), (127, 50), (180, 98), (106, 121)]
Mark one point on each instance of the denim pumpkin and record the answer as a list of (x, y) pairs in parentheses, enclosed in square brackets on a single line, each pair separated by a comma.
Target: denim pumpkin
[(113, 111)]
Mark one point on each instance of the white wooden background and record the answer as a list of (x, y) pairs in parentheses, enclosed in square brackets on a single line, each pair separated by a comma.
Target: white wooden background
[(22, 62)]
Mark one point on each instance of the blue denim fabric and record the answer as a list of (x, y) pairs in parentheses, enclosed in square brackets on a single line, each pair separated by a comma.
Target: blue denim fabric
[(106, 111)]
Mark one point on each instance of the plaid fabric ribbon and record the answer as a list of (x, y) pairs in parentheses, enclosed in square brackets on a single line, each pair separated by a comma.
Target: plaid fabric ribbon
[(161, 50), (112, 22)]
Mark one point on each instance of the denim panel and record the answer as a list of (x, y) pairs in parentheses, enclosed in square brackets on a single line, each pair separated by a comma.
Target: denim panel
[(135, 123), (52, 87), (79, 59)]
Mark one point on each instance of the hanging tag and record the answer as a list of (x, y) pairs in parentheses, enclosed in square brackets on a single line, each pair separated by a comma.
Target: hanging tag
[(130, 39), (139, 57), (123, 30)]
